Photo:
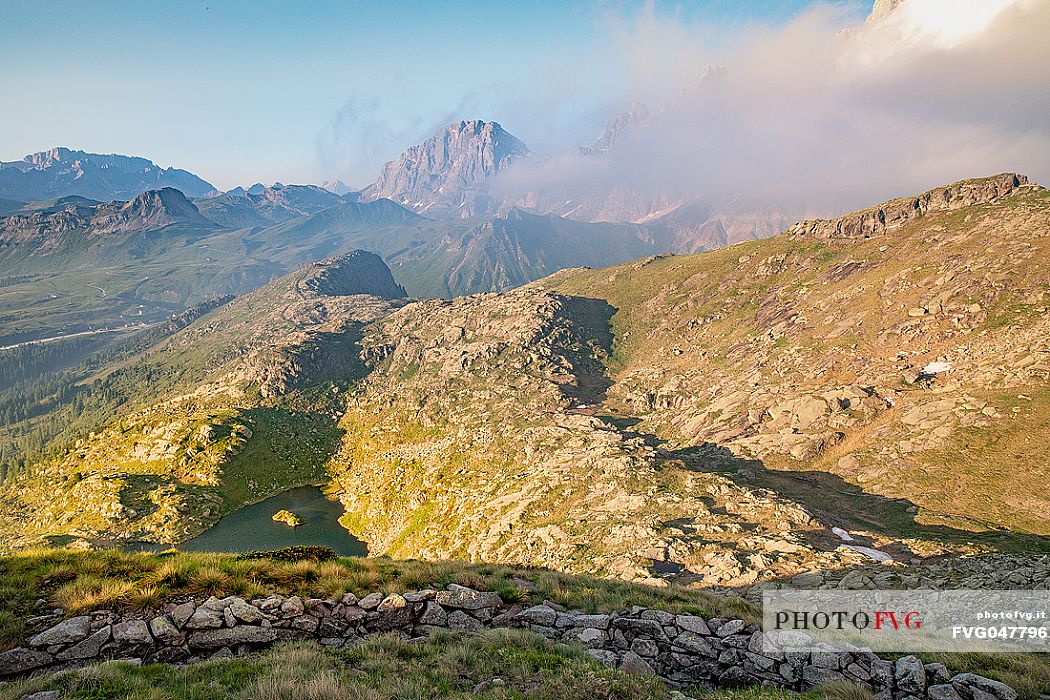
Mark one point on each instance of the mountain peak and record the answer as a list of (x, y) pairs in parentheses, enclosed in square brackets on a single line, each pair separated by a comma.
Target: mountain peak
[(357, 272), (449, 169)]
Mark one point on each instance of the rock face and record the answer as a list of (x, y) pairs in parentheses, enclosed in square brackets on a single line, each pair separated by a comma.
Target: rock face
[(684, 650), (357, 272), (447, 172), (61, 172), (894, 214)]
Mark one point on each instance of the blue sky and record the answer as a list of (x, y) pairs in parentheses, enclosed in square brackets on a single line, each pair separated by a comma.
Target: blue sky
[(301, 92)]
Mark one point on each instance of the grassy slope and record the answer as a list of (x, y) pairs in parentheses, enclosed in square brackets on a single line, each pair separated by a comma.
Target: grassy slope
[(713, 310), (80, 581), (147, 455)]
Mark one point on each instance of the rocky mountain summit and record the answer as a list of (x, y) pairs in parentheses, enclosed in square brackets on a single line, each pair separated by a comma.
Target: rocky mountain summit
[(49, 227), (448, 172), (266, 206), (61, 172)]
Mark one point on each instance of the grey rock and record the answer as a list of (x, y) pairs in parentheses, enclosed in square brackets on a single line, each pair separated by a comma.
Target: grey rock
[(735, 677), (43, 695), (66, 632), (293, 607), (539, 615), (21, 660), (462, 622), (165, 630), (181, 614), (972, 680), (695, 644), (645, 647), (694, 624), (944, 691), (605, 658), (910, 675), (245, 612), (664, 618), (815, 675), (600, 622), (633, 663), (467, 598), (588, 636), (131, 632), (937, 674), (730, 627), (88, 648), (244, 634), (371, 601), (205, 617), (433, 614)]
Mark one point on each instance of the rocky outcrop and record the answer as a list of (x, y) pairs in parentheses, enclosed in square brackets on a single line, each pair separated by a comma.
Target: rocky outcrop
[(897, 212), (683, 650), (447, 172), (357, 272)]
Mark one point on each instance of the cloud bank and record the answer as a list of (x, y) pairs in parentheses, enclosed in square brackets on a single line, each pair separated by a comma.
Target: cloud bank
[(817, 114)]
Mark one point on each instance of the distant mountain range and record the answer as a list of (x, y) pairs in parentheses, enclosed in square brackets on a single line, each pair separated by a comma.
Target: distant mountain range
[(61, 172)]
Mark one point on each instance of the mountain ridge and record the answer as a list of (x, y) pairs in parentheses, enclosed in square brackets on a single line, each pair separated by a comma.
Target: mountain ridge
[(60, 172)]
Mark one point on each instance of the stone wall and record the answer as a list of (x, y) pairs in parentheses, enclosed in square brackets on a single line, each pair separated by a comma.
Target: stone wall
[(684, 650)]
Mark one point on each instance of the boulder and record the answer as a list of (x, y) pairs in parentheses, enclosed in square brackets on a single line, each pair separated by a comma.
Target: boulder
[(462, 622), (456, 596), (131, 632), (972, 680), (165, 631), (205, 617), (181, 614), (21, 660), (66, 632), (692, 623), (245, 612), (244, 634), (539, 615), (88, 648), (910, 675), (632, 663), (433, 614)]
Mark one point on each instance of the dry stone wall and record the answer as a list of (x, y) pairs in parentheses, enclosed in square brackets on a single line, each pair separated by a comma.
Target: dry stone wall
[(684, 650)]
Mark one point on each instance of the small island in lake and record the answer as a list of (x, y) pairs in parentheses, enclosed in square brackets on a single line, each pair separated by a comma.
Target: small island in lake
[(288, 518)]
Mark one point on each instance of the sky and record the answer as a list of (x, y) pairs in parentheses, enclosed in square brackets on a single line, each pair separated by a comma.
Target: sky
[(798, 100), (240, 92)]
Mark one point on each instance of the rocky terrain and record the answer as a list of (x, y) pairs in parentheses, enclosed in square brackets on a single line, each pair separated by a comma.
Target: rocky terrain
[(178, 451), (61, 172), (683, 650), (812, 362), (731, 420)]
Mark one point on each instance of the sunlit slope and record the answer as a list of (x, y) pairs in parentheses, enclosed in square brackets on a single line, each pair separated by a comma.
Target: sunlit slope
[(236, 406), (803, 352)]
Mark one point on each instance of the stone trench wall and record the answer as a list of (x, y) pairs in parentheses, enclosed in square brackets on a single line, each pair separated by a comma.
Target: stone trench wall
[(684, 650)]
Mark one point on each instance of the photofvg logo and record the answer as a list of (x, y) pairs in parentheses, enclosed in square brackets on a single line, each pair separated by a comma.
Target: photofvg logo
[(907, 621)]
